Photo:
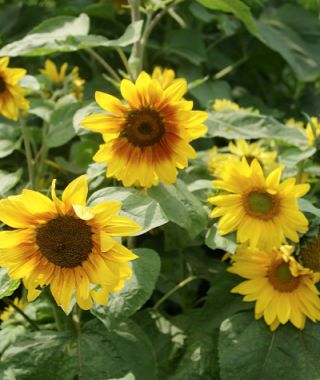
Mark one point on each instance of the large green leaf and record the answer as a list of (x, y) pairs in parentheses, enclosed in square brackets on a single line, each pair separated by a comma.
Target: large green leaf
[(249, 350), (135, 204), (103, 355), (8, 181), (295, 34), (137, 290), (9, 135), (65, 33), (243, 124), (238, 8), (61, 126), (181, 206), (7, 286)]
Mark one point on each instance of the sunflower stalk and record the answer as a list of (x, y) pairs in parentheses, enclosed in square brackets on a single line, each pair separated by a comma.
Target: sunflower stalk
[(135, 59), (28, 153), (76, 318)]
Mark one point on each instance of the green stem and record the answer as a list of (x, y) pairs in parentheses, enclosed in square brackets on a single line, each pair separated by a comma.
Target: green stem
[(42, 153), (125, 62), (9, 302), (27, 146), (176, 288), (76, 317), (104, 64), (135, 57)]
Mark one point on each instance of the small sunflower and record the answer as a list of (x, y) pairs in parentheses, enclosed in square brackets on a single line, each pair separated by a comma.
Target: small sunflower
[(222, 105), (11, 94), (64, 244), (51, 71), (263, 211), (312, 135), (283, 289), (240, 149), (10, 310), (148, 138), (164, 76)]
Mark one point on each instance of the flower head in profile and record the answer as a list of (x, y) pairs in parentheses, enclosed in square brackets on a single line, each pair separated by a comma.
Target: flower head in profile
[(11, 94), (263, 210), (59, 76), (148, 137), (313, 131), (242, 149), (164, 76), (281, 287), (10, 310), (65, 244), (222, 105)]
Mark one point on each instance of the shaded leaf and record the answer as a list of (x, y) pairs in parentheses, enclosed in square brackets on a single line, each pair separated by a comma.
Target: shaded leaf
[(7, 286)]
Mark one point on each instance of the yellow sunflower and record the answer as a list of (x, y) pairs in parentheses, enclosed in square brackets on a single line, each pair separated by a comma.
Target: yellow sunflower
[(222, 105), (310, 134), (283, 289), (147, 138), (64, 244), (11, 94), (240, 149), (164, 76), (263, 211), (51, 72), (294, 123), (8, 311)]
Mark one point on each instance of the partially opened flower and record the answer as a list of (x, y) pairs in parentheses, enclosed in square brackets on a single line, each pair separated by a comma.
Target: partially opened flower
[(11, 94), (282, 288), (64, 244), (147, 138), (51, 71), (263, 211)]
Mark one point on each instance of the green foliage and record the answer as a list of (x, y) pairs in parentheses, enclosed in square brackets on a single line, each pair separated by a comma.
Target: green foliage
[(248, 349), (7, 286)]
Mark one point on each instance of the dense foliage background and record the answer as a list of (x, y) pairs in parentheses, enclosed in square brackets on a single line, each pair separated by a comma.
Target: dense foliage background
[(176, 318)]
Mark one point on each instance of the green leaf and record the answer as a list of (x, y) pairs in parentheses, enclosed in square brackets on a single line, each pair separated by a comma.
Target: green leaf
[(67, 34), (9, 135), (60, 126), (42, 108), (243, 124), (89, 109), (238, 8), (7, 286), (8, 181), (104, 355), (30, 82), (292, 156), (295, 34), (181, 206), (48, 37), (187, 44), (136, 292), (249, 350), (135, 204), (307, 206), (214, 240)]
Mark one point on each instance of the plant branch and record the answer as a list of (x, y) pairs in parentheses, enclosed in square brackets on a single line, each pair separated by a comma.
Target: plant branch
[(76, 315), (27, 146), (104, 64), (125, 62), (9, 302)]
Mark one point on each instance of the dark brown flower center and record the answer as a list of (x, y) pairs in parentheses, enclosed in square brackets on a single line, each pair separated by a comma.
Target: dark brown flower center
[(281, 278), (143, 127), (2, 85), (310, 254), (260, 204), (65, 241)]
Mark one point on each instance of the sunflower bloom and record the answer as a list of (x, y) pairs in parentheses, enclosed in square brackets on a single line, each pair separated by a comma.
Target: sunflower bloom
[(8, 311), (223, 105), (11, 94), (263, 211), (164, 76), (52, 73), (147, 139), (64, 244), (283, 289)]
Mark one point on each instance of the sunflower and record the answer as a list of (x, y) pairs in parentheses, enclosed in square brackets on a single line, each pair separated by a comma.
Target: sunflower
[(263, 211), (52, 73), (64, 244), (294, 123), (222, 105), (11, 94), (312, 135), (8, 311), (165, 77), (283, 289), (147, 139), (240, 149)]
